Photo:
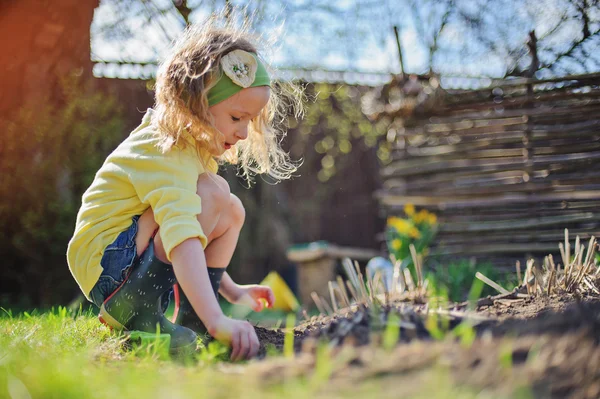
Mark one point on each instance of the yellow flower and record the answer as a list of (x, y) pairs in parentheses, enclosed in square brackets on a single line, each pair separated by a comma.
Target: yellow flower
[(391, 220), (402, 226), (396, 244), (421, 216), (414, 233), (409, 209), (432, 219)]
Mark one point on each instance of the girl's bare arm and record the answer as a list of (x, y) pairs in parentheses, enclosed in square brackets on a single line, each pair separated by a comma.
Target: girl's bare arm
[(189, 264)]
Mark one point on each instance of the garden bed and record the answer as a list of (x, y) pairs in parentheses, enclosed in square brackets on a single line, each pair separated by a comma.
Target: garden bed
[(535, 315), (539, 340), (547, 346)]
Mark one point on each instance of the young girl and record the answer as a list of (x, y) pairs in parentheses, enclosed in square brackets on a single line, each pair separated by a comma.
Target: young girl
[(157, 213)]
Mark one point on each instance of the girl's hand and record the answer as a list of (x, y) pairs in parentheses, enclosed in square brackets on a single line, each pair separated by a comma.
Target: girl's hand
[(255, 296), (240, 335)]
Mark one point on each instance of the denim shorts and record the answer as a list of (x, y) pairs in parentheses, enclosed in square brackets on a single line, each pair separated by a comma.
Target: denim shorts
[(117, 260)]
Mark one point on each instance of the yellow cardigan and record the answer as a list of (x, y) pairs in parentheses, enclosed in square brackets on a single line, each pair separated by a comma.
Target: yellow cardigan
[(135, 176)]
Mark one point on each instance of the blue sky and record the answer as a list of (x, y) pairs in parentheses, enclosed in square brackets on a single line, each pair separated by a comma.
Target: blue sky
[(353, 35), (150, 41)]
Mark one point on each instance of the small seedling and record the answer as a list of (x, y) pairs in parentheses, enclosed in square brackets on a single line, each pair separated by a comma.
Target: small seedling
[(154, 345), (465, 333), (323, 365), (505, 355), (214, 351), (437, 324), (288, 339), (271, 350), (433, 327), (474, 294), (391, 333)]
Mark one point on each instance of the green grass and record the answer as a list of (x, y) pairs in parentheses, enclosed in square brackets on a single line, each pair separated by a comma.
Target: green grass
[(64, 354)]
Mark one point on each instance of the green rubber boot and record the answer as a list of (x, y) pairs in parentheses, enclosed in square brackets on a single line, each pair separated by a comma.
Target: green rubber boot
[(186, 316), (135, 305)]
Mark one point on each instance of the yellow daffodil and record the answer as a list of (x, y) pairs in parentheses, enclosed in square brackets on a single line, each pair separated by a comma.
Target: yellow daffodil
[(414, 233), (402, 226), (396, 244), (432, 219), (409, 209), (421, 216)]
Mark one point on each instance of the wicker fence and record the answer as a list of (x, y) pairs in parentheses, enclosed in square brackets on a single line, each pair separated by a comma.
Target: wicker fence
[(506, 168)]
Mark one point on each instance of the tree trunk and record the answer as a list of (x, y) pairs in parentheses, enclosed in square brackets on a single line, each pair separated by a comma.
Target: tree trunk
[(42, 42)]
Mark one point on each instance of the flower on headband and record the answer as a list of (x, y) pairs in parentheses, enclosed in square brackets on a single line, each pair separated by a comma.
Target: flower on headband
[(240, 66)]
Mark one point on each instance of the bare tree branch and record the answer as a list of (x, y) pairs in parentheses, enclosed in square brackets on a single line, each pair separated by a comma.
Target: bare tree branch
[(183, 9), (343, 31), (569, 53)]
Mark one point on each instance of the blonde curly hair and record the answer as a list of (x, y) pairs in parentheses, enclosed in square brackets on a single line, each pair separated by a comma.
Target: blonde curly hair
[(183, 81)]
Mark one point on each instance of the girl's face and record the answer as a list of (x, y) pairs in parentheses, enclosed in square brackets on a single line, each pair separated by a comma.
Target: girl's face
[(233, 115)]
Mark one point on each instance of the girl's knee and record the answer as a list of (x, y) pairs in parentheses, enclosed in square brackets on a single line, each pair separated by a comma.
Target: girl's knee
[(214, 191), (231, 218)]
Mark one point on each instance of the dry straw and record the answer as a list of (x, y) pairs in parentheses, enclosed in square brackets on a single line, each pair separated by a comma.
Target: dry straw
[(580, 273)]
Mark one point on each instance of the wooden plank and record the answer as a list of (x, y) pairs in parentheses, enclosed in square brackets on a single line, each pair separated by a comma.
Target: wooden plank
[(512, 150), (521, 188), (591, 124), (538, 113), (494, 146), (467, 178), (494, 249), (588, 78), (518, 224), (437, 164), (493, 113), (457, 202), (518, 97), (515, 101), (552, 237), (509, 214), (485, 185), (502, 213)]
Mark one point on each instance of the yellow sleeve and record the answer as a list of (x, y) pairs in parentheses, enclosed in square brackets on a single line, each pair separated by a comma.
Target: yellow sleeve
[(167, 182)]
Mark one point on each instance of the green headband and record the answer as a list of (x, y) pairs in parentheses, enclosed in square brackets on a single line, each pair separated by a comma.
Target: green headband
[(240, 70)]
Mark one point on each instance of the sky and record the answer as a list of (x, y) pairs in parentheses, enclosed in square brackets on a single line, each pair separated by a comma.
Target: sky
[(149, 42), (355, 35)]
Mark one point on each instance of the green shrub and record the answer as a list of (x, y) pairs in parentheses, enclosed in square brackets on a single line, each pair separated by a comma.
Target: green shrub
[(48, 157)]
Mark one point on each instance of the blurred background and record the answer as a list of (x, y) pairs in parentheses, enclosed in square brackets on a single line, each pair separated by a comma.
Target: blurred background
[(480, 112)]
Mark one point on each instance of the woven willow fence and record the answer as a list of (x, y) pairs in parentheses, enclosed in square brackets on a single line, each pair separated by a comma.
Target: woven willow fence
[(506, 168)]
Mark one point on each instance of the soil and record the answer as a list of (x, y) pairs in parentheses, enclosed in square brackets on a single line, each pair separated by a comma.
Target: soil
[(550, 345), (347, 327), (531, 307)]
